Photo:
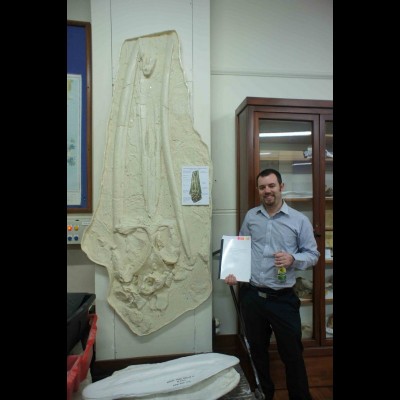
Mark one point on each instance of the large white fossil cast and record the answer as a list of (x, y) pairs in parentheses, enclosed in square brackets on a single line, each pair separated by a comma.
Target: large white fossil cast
[(155, 249)]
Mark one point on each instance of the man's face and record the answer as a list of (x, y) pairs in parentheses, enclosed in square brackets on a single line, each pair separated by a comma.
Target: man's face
[(269, 190)]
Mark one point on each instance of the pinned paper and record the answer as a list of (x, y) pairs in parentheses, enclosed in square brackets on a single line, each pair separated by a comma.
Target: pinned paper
[(235, 257)]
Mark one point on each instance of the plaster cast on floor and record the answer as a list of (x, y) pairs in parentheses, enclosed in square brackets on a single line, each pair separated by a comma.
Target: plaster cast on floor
[(211, 388), (201, 376), (156, 250)]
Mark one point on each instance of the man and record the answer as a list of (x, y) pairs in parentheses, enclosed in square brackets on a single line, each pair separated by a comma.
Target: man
[(282, 239)]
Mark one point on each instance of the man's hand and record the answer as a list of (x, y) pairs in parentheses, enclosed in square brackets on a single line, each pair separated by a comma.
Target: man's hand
[(230, 280), (283, 259)]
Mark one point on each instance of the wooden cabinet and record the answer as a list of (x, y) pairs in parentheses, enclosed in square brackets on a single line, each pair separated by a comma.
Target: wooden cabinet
[(296, 138)]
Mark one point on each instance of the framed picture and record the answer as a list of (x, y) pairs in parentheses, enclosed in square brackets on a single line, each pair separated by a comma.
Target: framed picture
[(79, 117)]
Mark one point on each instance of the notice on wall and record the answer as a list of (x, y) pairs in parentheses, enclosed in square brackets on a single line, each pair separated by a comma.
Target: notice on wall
[(74, 140), (195, 188), (235, 257)]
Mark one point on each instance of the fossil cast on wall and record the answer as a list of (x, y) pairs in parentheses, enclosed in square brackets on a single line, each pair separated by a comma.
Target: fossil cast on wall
[(156, 251)]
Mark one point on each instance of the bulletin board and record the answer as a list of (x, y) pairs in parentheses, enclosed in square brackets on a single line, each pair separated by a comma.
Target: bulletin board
[(79, 117)]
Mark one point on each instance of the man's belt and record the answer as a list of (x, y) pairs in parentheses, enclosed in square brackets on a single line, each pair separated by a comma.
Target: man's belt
[(266, 291)]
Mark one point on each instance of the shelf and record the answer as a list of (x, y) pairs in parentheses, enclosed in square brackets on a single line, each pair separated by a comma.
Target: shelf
[(308, 198), (295, 157), (284, 155), (297, 199), (308, 182)]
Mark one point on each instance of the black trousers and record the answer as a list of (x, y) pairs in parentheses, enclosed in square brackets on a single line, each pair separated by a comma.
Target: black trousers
[(263, 314)]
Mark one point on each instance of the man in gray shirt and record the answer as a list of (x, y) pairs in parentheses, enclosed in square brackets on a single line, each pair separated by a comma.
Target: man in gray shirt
[(282, 240)]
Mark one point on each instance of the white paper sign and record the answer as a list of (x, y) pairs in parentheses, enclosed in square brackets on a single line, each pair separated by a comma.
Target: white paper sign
[(235, 257), (195, 188)]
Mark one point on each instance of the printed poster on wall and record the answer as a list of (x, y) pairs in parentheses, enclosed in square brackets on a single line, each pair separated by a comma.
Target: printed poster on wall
[(74, 123), (195, 187)]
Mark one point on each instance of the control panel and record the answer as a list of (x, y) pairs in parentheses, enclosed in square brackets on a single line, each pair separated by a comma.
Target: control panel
[(75, 229)]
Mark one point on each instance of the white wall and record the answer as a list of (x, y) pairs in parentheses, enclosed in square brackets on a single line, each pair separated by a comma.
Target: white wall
[(80, 270), (112, 23), (78, 10), (260, 48)]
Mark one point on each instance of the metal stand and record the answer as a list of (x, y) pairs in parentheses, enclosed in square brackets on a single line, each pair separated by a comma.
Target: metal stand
[(258, 392)]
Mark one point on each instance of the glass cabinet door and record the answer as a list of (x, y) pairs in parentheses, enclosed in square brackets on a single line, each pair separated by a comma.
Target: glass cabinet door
[(287, 146), (295, 136), (327, 123)]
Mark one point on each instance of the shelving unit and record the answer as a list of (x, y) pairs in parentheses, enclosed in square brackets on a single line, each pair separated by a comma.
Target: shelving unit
[(306, 165)]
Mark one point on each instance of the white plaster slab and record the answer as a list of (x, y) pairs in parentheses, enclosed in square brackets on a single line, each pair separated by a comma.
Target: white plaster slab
[(202, 376), (155, 249)]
